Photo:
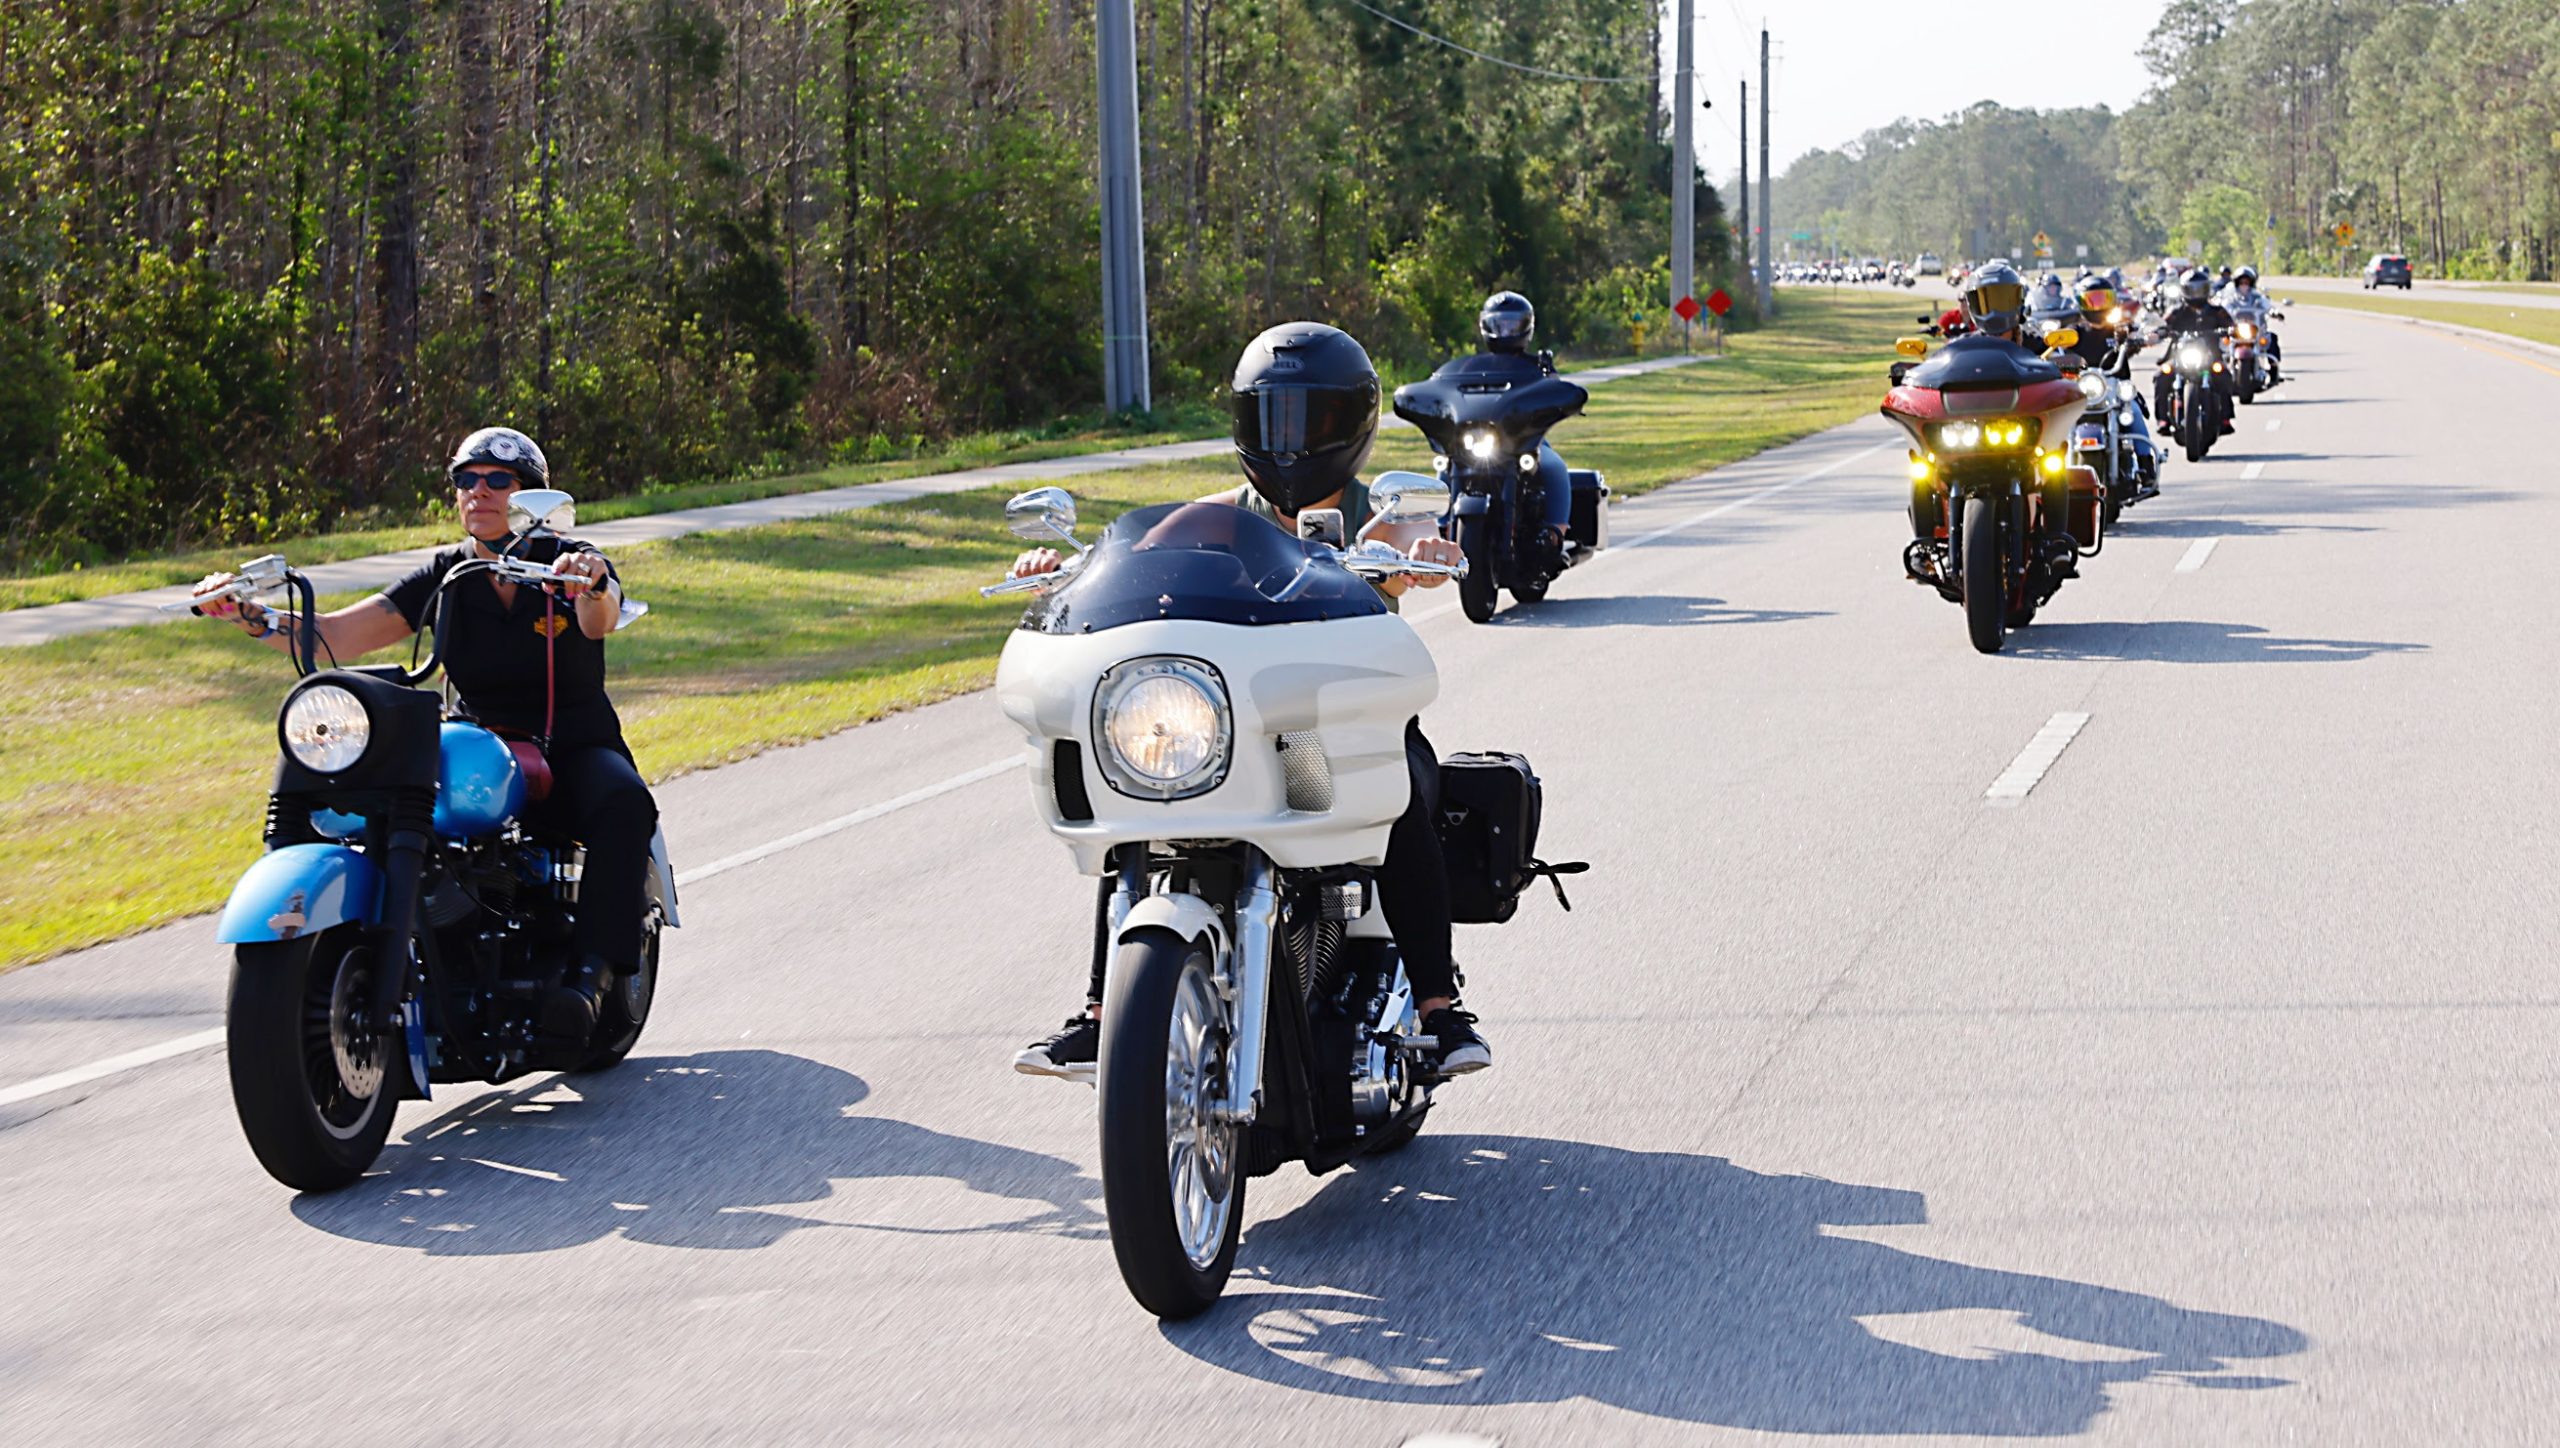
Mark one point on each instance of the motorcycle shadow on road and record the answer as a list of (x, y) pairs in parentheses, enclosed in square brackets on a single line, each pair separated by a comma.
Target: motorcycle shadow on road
[(1487, 1270), (1643, 611), (2189, 641), (704, 1151)]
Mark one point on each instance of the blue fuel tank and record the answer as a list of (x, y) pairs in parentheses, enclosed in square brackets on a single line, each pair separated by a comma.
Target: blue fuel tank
[(478, 786)]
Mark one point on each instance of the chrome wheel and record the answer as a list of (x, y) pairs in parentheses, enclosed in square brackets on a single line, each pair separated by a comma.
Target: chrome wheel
[(1200, 1147)]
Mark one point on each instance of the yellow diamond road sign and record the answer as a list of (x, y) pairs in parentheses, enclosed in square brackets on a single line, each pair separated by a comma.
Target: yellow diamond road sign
[(2346, 232), (2043, 240)]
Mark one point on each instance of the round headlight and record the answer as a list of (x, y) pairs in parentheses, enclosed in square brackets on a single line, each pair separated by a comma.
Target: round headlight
[(1163, 727), (326, 728), (2191, 355), (2091, 385)]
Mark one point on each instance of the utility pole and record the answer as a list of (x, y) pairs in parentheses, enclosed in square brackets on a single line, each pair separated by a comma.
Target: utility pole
[(1768, 218), (1742, 217), (1125, 384), (1684, 168)]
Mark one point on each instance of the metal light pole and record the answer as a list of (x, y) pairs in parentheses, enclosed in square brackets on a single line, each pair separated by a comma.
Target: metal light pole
[(1768, 218), (1684, 168), (1125, 384)]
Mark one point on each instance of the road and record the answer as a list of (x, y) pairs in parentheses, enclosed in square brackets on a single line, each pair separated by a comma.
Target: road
[(2484, 294), (2203, 1095)]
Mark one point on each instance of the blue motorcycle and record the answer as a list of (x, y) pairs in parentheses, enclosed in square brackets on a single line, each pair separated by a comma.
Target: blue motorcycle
[(406, 920)]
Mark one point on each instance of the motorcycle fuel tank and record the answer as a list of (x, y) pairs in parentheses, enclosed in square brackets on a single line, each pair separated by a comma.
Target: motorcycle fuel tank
[(478, 786)]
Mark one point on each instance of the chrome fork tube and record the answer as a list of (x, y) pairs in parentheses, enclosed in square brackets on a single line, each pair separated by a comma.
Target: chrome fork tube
[(1249, 986)]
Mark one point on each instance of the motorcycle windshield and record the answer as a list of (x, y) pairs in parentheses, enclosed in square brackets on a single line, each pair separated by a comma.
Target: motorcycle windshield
[(1512, 395), (1204, 562)]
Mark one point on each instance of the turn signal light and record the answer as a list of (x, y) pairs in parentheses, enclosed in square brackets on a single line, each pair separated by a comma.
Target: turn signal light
[(2052, 464)]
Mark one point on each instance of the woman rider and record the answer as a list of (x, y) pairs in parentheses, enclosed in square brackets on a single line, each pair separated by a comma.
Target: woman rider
[(1306, 411), (519, 667)]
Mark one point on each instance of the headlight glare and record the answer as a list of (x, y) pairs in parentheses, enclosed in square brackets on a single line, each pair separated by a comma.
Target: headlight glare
[(325, 728), (1164, 728), (2091, 385), (1481, 443), (2191, 356)]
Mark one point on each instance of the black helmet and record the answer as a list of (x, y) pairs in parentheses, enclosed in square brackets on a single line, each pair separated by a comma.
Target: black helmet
[(1506, 322), (1994, 297), (501, 447), (1306, 410), (2197, 286)]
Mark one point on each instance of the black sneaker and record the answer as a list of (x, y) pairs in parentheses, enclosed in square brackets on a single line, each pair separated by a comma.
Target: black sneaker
[(570, 1009), (1461, 1049), (1070, 1055)]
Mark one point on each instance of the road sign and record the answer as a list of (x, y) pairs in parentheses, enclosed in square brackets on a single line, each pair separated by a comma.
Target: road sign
[(1718, 302), (2081, 250), (2346, 233), (1801, 235), (1687, 307), (2043, 241)]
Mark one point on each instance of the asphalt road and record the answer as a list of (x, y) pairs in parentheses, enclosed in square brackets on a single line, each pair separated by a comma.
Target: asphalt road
[(2205, 1095), (2485, 294)]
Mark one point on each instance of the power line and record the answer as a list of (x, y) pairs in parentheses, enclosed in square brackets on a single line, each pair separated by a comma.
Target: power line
[(1537, 70)]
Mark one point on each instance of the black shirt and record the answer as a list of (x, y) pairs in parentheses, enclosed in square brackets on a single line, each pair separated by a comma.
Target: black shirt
[(2192, 317), (495, 653)]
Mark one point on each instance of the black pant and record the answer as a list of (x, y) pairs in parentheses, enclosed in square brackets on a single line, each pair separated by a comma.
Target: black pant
[(599, 800), (1414, 877)]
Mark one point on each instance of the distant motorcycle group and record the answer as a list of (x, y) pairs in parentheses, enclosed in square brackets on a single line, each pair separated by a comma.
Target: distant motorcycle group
[(2028, 439)]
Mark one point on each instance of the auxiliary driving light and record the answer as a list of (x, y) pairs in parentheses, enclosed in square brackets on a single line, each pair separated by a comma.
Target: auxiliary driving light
[(2052, 464)]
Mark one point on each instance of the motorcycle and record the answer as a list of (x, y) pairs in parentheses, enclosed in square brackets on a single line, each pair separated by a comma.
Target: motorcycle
[(406, 919), (1216, 713), (2000, 513), (2110, 437), (2195, 404), (2249, 352), (1486, 417)]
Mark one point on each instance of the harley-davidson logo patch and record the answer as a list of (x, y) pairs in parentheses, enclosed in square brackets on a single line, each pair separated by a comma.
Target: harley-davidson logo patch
[(550, 627)]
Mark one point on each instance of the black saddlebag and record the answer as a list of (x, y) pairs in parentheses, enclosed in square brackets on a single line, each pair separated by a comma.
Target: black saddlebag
[(1489, 808), (1589, 530)]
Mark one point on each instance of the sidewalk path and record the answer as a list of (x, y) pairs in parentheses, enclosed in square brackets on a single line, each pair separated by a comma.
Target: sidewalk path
[(26, 626)]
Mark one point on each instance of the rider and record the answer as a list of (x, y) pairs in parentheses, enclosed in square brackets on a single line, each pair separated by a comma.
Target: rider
[(2243, 298), (2101, 324), (518, 667), (1306, 411), (2195, 316), (1504, 325)]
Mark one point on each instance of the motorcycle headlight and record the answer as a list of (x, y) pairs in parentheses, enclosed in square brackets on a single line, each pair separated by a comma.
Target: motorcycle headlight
[(325, 729), (2092, 385), (2125, 416), (2191, 356), (1164, 727), (1481, 443), (2246, 331)]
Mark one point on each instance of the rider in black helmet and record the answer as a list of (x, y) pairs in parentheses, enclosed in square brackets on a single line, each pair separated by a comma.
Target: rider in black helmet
[(2195, 316), (1305, 401), (1506, 324)]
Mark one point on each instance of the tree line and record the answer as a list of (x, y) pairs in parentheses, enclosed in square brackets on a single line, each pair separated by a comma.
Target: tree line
[(2428, 126), (261, 261)]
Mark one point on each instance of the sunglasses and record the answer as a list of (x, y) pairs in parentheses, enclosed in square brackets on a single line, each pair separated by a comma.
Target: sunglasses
[(499, 481)]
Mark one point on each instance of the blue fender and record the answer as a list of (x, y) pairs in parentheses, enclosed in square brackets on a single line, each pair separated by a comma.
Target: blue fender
[(301, 890), (1471, 505)]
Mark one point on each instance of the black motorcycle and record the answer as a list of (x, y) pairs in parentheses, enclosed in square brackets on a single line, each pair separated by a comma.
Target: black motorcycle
[(1486, 417), (2194, 405), (407, 919)]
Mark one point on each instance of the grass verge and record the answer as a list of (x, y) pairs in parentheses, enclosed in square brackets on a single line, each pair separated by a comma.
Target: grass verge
[(134, 763), (2534, 324)]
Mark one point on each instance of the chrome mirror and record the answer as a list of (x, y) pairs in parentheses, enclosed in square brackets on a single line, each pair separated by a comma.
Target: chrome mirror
[(1043, 515), (633, 610), (540, 510), (1322, 525), (264, 574), (1402, 497)]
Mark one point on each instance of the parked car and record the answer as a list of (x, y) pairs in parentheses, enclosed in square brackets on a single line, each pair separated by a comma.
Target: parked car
[(2387, 269), (1928, 264)]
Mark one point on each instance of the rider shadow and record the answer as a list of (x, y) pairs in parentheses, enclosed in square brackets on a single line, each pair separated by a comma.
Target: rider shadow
[(703, 1151), (2135, 527), (1644, 611), (1686, 1288), (2190, 641)]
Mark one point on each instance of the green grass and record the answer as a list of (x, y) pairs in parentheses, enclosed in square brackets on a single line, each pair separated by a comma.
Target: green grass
[(134, 763), (2534, 324)]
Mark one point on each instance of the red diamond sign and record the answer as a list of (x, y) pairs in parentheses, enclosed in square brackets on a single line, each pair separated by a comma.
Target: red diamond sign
[(1718, 302), (1687, 307)]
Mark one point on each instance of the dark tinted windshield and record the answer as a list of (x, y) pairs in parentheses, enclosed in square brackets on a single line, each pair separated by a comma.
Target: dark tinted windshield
[(1511, 393), (1211, 562)]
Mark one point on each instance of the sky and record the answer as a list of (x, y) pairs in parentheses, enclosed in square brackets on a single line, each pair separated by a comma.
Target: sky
[(1841, 68)]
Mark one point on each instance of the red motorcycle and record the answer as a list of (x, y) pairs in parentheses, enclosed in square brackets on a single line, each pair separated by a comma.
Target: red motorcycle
[(2000, 515)]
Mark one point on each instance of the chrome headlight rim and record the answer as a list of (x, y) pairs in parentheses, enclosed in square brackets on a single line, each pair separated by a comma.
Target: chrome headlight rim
[(2092, 386), (1123, 774), (325, 728)]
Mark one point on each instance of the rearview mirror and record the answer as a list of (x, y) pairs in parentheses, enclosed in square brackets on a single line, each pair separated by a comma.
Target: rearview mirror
[(1043, 515), (1322, 525), (540, 510), (1402, 497), (2061, 337), (1912, 346)]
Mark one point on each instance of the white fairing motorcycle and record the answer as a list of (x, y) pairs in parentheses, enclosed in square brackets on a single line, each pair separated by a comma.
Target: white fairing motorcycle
[(1216, 713)]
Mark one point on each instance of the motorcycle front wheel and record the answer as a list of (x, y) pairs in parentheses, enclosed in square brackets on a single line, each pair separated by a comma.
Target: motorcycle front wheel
[(312, 1075), (1173, 1174), (1986, 592), (1478, 592)]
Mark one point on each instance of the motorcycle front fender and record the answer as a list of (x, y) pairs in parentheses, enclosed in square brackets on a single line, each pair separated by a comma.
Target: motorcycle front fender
[(1186, 915), (1471, 505), (662, 878), (301, 890)]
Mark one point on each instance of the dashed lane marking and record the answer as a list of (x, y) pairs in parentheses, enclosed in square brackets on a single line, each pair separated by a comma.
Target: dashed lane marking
[(2024, 772), (2197, 552), (2253, 472), (98, 1070), (2274, 423)]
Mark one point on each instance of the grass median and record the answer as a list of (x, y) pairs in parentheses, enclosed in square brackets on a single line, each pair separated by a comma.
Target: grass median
[(2533, 324), (134, 763)]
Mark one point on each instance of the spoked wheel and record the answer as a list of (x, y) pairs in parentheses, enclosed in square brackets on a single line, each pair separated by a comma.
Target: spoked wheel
[(312, 1073), (1477, 592), (1173, 1170), (625, 1008), (1986, 593)]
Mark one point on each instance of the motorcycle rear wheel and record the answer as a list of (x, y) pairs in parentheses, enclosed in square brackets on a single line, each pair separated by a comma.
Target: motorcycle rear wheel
[(314, 1082), (625, 1011), (1173, 1178), (1986, 592), (1478, 593)]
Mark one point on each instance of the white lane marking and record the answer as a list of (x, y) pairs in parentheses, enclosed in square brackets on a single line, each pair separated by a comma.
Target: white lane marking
[(2253, 472), (841, 823), (2024, 772), (2197, 553), (2274, 422), (95, 1070)]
